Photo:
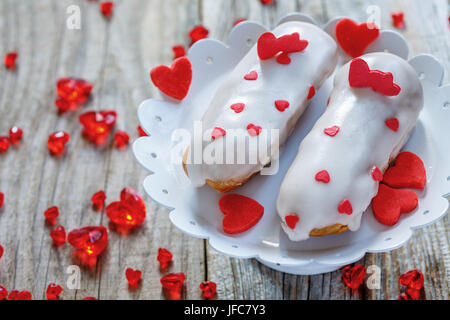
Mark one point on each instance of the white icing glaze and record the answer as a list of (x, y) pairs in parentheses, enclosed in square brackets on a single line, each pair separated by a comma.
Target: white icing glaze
[(363, 141), (290, 82)]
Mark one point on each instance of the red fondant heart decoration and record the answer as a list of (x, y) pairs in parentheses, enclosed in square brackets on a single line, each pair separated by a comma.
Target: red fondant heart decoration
[(237, 107), (254, 130), (241, 213), (281, 105), (311, 92), (323, 176), (377, 175), (252, 75), (392, 124), (175, 80), (408, 172), (268, 45), (283, 58), (331, 131), (360, 76), (291, 220), (345, 207), (355, 38), (218, 132), (390, 203)]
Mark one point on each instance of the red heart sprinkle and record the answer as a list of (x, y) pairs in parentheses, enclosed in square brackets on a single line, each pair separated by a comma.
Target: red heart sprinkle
[(311, 92), (241, 213), (208, 289), (164, 258), (4, 144), (408, 172), (332, 131), (121, 139), (392, 124), (10, 60), (53, 291), (20, 295), (354, 276), (397, 20), (58, 236), (175, 80), (178, 51), (237, 107), (57, 141), (253, 130), (323, 176), (172, 283), (252, 75), (15, 135), (3, 293), (389, 203), (91, 240), (281, 105), (133, 277), (129, 212), (106, 8), (197, 33), (291, 220), (218, 132), (355, 38), (2, 199), (268, 45), (97, 125), (141, 132), (412, 279), (1, 252), (377, 175), (98, 200), (360, 76), (73, 90), (345, 207), (283, 58), (50, 215)]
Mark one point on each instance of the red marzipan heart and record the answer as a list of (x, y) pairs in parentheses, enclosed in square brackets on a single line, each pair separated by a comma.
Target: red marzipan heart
[(254, 130), (331, 131), (360, 76), (241, 213), (237, 107), (268, 45), (389, 204), (408, 172), (355, 38), (392, 124), (252, 75), (281, 105), (323, 176), (175, 80), (291, 220)]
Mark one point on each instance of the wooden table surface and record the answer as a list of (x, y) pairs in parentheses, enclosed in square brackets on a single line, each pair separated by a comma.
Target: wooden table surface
[(116, 55)]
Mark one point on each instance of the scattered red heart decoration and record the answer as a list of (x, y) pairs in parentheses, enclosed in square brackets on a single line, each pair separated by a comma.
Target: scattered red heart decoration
[(331, 131), (4, 144), (311, 92), (355, 38), (354, 276), (58, 236), (283, 58), (178, 51), (254, 130), (345, 207), (164, 258), (175, 80), (2, 199), (10, 60), (390, 203), (91, 240), (106, 8), (20, 295), (252, 75), (412, 279), (98, 200), (56, 142), (1, 252), (241, 213), (323, 176), (392, 124), (197, 33), (133, 277), (208, 289), (376, 173), (291, 220), (398, 20), (172, 284), (268, 45), (129, 212), (408, 172), (121, 139), (360, 76), (53, 291), (97, 125), (51, 214), (3, 293), (281, 105), (237, 107), (15, 134), (218, 132)]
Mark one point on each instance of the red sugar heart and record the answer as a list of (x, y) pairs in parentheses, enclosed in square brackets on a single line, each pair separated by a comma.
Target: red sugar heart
[(331, 131), (323, 176), (133, 277), (354, 276), (283, 58), (392, 124), (129, 212), (355, 38), (281, 105), (217, 132), (377, 175), (397, 20), (253, 130), (237, 107), (311, 92), (252, 75), (53, 291), (241, 213), (291, 220), (345, 207), (208, 289), (412, 279), (268, 45), (408, 172), (389, 203), (92, 239), (175, 80), (360, 76)]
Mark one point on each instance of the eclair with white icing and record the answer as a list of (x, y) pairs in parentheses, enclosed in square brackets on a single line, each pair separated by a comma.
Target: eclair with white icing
[(269, 89), (372, 110)]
